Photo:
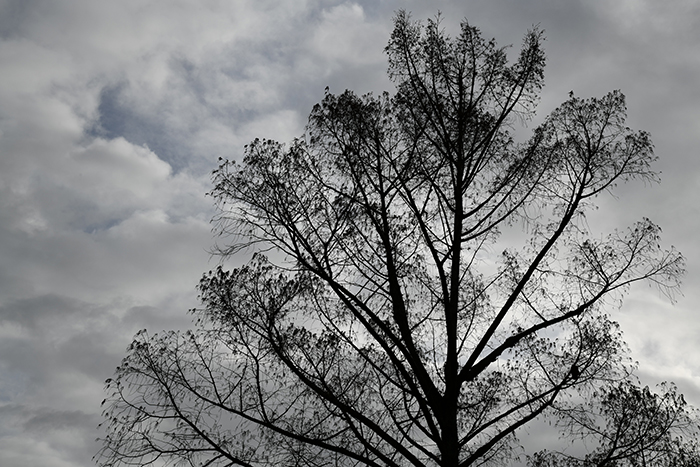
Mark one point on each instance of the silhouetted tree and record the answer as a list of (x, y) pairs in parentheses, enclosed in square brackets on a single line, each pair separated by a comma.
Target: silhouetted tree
[(421, 288), (630, 426)]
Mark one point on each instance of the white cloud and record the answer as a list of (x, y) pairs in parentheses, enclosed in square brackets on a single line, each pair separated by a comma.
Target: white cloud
[(343, 35)]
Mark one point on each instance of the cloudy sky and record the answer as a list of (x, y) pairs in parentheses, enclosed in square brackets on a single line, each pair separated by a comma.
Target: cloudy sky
[(113, 114)]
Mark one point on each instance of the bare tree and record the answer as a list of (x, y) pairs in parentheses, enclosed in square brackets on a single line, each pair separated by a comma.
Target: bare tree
[(629, 426), (422, 287)]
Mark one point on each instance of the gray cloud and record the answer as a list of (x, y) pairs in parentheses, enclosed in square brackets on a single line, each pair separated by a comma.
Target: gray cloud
[(64, 436), (13, 15), (112, 115), (28, 312), (58, 420)]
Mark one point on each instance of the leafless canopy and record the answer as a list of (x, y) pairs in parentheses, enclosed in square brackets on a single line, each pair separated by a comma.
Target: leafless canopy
[(422, 287)]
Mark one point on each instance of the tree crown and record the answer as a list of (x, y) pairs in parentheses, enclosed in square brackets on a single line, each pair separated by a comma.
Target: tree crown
[(422, 286)]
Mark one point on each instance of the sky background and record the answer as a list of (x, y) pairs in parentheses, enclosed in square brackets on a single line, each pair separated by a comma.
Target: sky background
[(113, 115)]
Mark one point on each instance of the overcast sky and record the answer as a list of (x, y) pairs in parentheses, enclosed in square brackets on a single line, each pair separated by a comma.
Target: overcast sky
[(113, 115)]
